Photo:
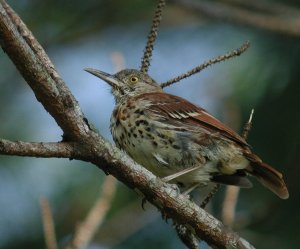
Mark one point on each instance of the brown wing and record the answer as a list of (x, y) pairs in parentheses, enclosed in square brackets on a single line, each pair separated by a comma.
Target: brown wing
[(180, 109), (176, 108)]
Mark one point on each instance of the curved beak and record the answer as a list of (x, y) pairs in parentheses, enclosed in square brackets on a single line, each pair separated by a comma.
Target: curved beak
[(110, 79)]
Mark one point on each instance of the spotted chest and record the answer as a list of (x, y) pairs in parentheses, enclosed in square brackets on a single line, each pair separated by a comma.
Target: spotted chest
[(140, 136), (128, 125)]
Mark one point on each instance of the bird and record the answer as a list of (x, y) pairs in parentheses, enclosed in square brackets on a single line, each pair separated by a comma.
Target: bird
[(179, 141)]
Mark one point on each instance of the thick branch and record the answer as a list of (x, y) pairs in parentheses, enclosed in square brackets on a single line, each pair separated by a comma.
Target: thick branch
[(285, 24), (57, 150), (57, 99)]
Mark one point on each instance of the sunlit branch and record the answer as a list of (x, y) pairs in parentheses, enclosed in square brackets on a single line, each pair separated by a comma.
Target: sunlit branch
[(48, 224)]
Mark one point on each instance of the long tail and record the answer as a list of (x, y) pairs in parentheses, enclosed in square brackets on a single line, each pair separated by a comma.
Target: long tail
[(269, 177)]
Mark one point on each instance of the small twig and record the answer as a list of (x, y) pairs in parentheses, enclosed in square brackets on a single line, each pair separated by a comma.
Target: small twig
[(199, 68), (210, 195), (248, 126), (48, 224), (152, 37), (119, 221), (86, 230), (232, 192)]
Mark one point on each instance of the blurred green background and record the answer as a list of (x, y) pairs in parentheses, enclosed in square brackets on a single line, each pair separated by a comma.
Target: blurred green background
[(112, 34)]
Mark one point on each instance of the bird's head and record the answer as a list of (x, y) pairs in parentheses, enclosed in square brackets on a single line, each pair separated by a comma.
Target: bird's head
[(128, 82)]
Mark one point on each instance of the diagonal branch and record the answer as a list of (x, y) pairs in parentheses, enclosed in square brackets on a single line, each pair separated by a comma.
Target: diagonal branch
[(48, 224), (60, 103), (152, 37), (206, 64), (87, 229)]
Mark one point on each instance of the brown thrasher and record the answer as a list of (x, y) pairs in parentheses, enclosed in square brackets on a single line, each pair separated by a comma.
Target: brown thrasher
[(178, 140)]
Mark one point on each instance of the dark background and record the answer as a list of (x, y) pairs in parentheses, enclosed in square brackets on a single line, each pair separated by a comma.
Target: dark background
[(93, 33)]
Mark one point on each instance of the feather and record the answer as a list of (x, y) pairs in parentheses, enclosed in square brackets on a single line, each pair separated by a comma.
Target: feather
[(180, 109), (270, 178), (180, 112), (235, 180)]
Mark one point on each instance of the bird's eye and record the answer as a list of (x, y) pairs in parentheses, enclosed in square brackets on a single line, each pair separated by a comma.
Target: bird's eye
[(133, 79)]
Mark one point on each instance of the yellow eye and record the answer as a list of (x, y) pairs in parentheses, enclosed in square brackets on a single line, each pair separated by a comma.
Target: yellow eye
[(133, 79)]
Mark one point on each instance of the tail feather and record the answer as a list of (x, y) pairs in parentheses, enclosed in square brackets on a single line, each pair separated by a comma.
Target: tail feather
[(235, 180), (270, 178)]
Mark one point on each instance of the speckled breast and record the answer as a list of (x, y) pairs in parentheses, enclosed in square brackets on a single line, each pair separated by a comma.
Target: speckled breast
[(143, 139)]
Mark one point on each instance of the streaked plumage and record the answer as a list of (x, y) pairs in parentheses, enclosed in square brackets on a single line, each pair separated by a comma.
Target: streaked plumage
[(167, 134)]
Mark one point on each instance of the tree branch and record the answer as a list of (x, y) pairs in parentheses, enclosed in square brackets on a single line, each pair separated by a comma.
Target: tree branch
[(86, 230), (145, 64), (48, 224), (59, 102), (55, 149), (284, 24), (220, 58)]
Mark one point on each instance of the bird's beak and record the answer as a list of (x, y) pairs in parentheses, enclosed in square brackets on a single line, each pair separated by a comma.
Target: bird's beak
[(110, 79)]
